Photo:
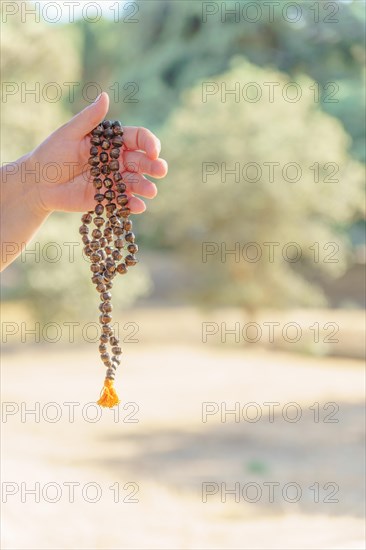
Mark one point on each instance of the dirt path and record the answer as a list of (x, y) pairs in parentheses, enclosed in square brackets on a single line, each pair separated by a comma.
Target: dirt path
[(164, 458)]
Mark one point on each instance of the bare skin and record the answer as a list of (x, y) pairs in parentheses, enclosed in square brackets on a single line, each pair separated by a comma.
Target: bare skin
[(28, 198)]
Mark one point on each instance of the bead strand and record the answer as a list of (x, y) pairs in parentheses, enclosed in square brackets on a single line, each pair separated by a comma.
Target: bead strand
[(109, 239)]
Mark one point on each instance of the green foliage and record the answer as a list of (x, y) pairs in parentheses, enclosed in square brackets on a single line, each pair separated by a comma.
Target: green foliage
[(166, 54), (33, 56), (171, 48), (227, 212)]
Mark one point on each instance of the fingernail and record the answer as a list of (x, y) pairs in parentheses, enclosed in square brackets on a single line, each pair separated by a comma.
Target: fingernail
[(97, 98)]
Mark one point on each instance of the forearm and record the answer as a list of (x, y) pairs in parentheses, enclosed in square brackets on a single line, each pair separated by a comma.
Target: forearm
[(22, 212)]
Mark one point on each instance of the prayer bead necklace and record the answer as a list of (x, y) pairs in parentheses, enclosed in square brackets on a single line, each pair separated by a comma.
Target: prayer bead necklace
[(111, 246)]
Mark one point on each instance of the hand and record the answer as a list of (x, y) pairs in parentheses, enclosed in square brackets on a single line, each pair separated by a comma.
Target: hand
[(62, 159), (68, 148)]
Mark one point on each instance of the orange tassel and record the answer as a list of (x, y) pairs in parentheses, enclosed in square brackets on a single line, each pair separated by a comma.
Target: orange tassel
[(108, 395)]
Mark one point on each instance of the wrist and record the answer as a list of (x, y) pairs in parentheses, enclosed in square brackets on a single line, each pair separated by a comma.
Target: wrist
[(32, 186)]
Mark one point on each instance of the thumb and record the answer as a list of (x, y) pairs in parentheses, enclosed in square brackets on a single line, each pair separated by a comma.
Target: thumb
[(85, 121)]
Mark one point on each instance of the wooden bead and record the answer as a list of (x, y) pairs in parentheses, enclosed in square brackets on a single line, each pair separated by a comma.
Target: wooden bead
[(95, 268), (95, 171), (93, 161), (119, 243), (110, 374), (87, 218), (106, 144), (122, 200), (133, 248), (117, 176), (117, 141), (103, 157), (108, 183), (113, 341), (94, 151), (96, 233), (130, 260), (106, 329), (94, 245), (130, 237), (116, 360), (118, 131), (110, 266), (96, 279), (99, 197), (108, 133), (83, 229), (118, 230), (122, 268), (124, 212), (85, 239), (105, 170), (87, 250), (99, 221), (97, 182), (95, 140), (106, 296), (104, 338), (101, 287), (106, 307), (109, 195), (114, 165), (110, 208), (116, 350), (95, 257), (107, 277), (98, 131), (121, 187), (99, 209), (102, 253), (127, 225), (102, 348), (103, 242), (116, 255), (106, 124), (109, 285), (105, 357), (111, 215), (114, 153), (105, 318)]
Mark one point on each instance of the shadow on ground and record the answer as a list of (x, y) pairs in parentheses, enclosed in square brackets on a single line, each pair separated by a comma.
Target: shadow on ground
[(330, 454)]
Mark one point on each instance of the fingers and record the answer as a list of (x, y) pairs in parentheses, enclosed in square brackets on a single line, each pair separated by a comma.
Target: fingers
[(143, 140), (136, 205), (139, 185), (135, 138), (85, 121), (134, 161)]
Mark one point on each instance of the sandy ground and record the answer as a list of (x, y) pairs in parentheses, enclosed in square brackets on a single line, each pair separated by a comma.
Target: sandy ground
[(163, 458)]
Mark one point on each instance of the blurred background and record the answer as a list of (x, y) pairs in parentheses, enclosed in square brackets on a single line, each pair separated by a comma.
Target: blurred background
[(260, 223)]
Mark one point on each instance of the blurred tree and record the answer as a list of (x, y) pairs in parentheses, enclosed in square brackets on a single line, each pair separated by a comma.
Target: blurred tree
[(168, 51), (172, 46), (204, 209), (37, 59)]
